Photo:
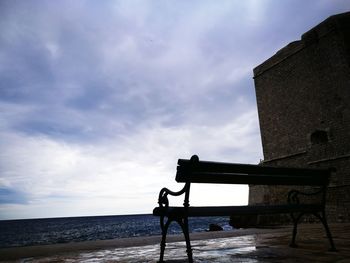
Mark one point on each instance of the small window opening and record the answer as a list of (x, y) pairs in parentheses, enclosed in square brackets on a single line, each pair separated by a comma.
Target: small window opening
[(319, 137)]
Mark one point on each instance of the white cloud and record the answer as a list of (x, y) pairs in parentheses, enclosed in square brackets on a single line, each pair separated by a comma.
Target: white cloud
[(116, 172)]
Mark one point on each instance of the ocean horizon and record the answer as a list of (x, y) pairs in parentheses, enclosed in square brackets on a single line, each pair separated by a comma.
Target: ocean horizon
[(44, 231), (81, 216)]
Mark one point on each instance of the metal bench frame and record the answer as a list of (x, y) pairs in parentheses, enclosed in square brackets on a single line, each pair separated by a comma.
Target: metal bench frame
[(195, 171)]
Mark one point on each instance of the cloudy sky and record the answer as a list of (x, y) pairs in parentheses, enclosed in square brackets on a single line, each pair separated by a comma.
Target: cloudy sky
[(98, 99)]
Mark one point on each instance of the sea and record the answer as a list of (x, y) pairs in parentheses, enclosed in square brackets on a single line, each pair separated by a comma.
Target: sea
[(28, 232)]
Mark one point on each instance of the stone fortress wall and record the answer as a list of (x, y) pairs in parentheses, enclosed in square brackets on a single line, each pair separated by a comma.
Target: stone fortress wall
[(303, 99)]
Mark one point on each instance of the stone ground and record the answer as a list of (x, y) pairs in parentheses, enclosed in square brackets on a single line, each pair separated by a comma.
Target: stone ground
[(259, 245)]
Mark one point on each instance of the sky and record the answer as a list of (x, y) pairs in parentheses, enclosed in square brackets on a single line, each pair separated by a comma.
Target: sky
[(98, 99)]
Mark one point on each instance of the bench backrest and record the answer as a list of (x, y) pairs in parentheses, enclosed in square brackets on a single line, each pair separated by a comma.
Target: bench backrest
[(195, 171)]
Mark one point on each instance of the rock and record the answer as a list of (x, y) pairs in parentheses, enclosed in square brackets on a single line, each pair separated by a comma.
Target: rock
[(245, 221), (215, 227)]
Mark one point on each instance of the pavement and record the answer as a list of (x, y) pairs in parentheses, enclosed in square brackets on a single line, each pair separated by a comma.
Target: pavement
[(250, 245)]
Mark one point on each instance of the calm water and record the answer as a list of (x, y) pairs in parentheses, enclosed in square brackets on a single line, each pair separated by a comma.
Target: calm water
[(71, 229)]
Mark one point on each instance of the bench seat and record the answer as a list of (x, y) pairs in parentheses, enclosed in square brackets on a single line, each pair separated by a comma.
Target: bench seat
[(199, 211)]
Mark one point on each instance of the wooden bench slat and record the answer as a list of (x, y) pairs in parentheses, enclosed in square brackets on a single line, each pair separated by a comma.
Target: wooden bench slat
[(233, 173), (232, 210), (258, 179), (248, 168)]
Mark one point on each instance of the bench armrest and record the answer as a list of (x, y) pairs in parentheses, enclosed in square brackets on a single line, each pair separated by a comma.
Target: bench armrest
[(163, 195)]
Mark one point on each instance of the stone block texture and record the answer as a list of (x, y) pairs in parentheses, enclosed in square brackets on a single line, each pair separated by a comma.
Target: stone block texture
[(303, 99)]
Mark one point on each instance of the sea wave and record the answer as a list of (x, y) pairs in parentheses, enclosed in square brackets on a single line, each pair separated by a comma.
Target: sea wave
[(29, 232)]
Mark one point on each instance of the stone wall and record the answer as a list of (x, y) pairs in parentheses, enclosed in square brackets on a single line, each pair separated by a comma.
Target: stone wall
[(303, 98)]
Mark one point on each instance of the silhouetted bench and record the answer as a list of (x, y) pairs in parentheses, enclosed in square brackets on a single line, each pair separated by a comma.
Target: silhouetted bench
[(195, 171)]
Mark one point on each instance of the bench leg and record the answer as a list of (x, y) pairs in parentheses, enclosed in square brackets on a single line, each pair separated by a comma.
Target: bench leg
[(164, 228), (184, 225), (323, 219), (295, 228), (183, 222)]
